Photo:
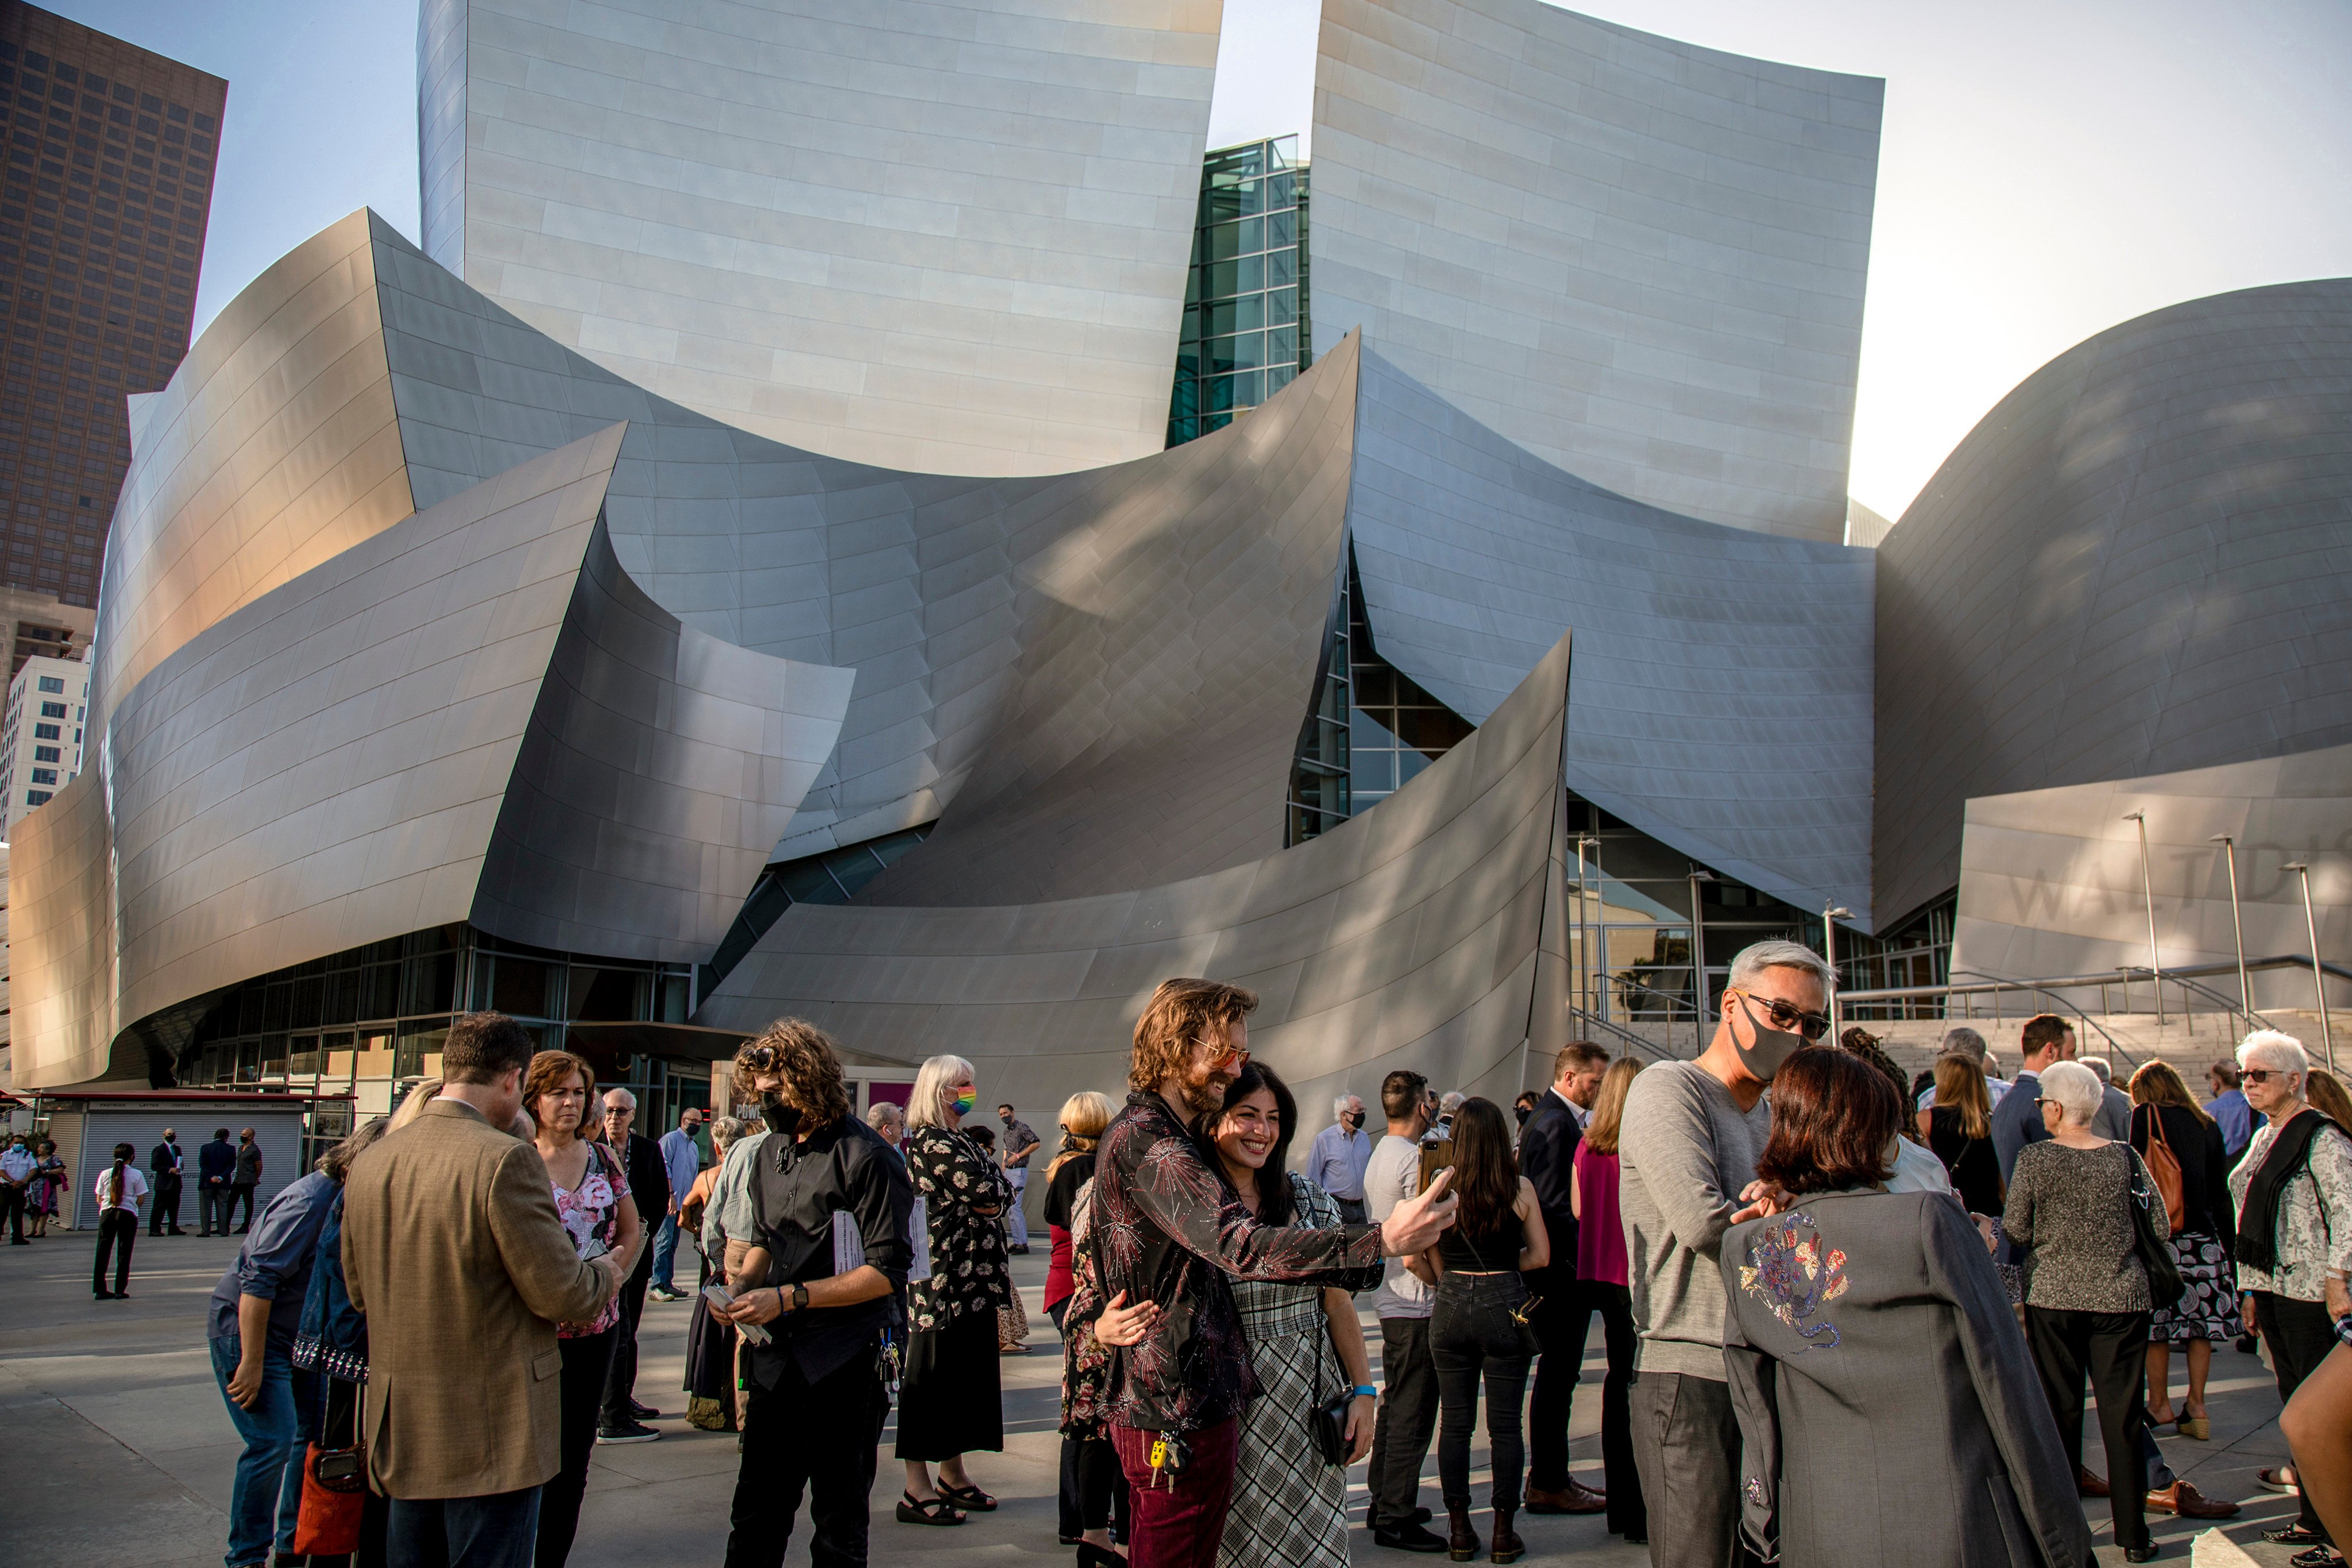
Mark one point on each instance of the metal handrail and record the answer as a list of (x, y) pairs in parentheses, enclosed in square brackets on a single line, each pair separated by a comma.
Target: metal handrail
[(1593, 1021), (2114, 1046), (2088, 982)]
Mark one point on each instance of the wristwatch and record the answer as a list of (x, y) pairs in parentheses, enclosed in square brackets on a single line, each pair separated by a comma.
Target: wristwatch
[(800, 1297)]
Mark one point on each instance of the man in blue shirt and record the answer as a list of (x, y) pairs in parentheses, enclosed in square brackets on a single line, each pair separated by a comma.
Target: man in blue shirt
[(256, 1309), (2229, 1109), (682, 1158), (2017, 1119), (1340, 1153)]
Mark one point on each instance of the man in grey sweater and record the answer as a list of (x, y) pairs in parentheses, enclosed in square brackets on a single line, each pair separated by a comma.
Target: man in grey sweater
[(1686, 1156)]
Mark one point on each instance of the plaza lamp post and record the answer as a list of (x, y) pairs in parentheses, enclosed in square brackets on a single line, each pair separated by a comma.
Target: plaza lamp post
[(2148, 897), (2237, 924), (1831, 915), (1591, 973), (2318, 980), (1699, 955)]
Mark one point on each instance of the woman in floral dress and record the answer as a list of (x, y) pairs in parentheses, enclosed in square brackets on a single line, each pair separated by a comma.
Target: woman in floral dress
[(592, 1197), (1305, 1344), (950, 1401)]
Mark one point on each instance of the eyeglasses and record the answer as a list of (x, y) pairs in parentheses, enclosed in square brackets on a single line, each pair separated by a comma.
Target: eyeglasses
[(1226, 1054), (2261, 1075), (1787, 1019)]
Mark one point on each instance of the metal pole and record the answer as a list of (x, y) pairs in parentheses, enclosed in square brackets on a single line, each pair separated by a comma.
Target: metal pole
[(2237, 925), (1831, 915), (2318, 979), (1594, 1003), (1599, 929), (2148, 897), (1698, 957)]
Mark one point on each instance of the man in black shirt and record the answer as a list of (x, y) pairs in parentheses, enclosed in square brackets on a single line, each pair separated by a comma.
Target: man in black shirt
[(623, 1419), (831, 1203)]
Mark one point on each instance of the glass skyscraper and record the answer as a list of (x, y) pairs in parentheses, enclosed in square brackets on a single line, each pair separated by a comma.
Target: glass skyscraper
[(1246, 320)]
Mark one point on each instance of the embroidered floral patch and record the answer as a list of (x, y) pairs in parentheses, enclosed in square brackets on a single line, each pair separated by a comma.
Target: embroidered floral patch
[(1791, 1272)]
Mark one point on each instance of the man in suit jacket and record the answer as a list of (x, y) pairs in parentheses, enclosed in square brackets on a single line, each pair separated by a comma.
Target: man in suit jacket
[(453, 1249), (167, 1162), (2017, 1119), (1546, 1159)]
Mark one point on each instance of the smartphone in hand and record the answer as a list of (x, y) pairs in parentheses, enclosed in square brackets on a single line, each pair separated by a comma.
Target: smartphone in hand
[(754, 1333)]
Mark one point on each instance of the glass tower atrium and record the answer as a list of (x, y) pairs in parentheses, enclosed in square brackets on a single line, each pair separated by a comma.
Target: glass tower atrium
[(1246, 321)]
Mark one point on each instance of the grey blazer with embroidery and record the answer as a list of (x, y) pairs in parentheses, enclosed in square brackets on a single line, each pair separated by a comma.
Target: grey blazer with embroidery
[(1888, 1408)]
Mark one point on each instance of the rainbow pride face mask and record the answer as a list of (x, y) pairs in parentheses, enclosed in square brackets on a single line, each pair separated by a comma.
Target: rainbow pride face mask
[(966, 1100)]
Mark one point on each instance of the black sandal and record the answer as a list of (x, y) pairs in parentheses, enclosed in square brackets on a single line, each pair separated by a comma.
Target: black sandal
[(970, 1498), (934, 1511), (2293, 1535)]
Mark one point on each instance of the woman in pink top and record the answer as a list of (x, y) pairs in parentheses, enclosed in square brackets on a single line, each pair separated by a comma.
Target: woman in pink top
[(1601, 1273)]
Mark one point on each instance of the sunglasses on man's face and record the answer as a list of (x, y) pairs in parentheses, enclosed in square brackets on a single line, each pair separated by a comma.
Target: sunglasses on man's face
[(1791, 1020)]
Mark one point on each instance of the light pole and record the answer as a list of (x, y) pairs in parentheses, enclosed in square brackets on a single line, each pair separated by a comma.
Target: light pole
[(2237, 924), (1831, 915), (2318, 980), (2148, 896), (1699, 955), (1591, 973)]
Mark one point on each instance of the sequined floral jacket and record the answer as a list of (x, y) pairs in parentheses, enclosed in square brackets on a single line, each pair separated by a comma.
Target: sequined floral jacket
[(1167, 1227)]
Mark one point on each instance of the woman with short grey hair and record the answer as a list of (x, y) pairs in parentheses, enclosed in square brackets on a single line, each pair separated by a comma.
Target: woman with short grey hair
[(2292, 1190), (2086, 1293)]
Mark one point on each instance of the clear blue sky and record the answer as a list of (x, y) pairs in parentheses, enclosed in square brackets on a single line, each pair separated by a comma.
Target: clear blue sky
[(2049, 167)]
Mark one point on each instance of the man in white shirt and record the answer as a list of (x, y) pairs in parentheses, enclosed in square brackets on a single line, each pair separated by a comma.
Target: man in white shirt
[(1340, 1153), (17, 1165), (1408, 1415)]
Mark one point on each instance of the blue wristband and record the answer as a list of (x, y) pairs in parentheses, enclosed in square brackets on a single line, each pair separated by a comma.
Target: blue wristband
[(1366, 1391)]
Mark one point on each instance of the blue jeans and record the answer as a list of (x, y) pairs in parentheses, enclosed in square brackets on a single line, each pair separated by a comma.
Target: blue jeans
[(664, 1249), (494, 1532), (269, 1491)]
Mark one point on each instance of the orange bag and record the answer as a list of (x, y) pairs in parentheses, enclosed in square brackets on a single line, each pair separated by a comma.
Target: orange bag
[(334, 1495), (2164, 1167)]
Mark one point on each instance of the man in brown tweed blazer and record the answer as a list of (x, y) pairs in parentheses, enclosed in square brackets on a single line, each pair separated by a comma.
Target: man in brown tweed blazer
[(453, 1249)]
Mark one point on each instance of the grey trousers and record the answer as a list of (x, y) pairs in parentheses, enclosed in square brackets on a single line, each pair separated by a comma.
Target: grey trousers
[(1408, 1418), (1686, 1444)]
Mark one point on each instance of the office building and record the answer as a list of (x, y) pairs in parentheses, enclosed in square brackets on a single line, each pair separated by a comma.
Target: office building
[(41, 743), (1494, 679), (103, 204)]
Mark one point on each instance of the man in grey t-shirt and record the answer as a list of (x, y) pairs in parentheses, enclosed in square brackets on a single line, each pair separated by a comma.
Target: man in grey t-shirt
[(1407, 1414), (1686, 1158)]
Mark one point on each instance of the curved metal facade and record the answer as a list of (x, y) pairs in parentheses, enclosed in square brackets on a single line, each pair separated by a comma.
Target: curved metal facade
[(1721, 702), (2135, 564), (947, 237), (1639, 260)]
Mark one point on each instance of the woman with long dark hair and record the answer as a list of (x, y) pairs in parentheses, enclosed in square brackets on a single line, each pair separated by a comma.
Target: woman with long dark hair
[(1305, 1345), (1860, 1324), (591, 1187), (1480, 1325), (120, 1192)]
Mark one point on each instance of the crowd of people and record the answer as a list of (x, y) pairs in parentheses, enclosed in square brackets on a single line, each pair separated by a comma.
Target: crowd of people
[(1819, 1284)]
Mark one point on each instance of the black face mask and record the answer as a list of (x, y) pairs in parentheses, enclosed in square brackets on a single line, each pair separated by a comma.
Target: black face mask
[(1771, 1048), (779, 1116), (1523, 1115)]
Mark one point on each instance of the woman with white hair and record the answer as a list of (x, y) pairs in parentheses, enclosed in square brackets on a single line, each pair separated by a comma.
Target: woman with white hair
[(2293, 1190), (950, 1400), (2087, 1302)]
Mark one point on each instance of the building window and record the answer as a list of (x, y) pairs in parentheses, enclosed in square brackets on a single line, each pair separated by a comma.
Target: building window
[(1246, 322), (44, 776), (52, 683), (47, 755), (48, 732), (37, 797), (53, 710)]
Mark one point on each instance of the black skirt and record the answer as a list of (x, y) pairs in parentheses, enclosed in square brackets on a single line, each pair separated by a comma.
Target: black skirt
[(950, 1400), (709, 1353)]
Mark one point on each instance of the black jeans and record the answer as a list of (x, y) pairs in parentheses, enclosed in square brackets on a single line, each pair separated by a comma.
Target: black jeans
[(212, 1209), (1471, 1335), (1409, 1404), (493, 1531), (1686, 1445), (586, 1360), (1093, 1491), (116, 1228), (2111, 1349), (166, 1216), (2301, 1335), (1628, 1515), (1561, 1322), (11, 1204), (239, 1194), (621, 1381), (821, 1437)]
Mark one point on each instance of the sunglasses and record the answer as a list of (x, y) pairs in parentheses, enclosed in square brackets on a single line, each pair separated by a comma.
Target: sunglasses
[(2261, 1075), (1787, 1019)]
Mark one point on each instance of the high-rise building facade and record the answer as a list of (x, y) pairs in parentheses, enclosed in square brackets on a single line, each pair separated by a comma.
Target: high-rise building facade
[(1246, 323), (107, 190), (41, 743)]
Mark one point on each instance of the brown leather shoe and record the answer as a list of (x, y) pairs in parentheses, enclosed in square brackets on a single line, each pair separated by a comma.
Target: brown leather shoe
[(1507, 1545), (2088, 1485), (2185, 1501), (1461, 1536), (1574, 1498)]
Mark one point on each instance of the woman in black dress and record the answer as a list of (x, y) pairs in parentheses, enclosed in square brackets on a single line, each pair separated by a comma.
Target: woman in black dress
[(1959, 1129), (2164, 1113), (951, 1399)]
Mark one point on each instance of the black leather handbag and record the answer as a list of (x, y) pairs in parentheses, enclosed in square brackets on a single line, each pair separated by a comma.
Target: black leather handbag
[(1330, 1420), (2151, 1228)]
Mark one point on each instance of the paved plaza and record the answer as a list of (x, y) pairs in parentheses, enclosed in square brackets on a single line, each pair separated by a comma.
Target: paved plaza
[(121, 1454)]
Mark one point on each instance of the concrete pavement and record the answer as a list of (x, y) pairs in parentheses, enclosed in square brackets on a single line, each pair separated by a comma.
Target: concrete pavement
[(121, 1454)]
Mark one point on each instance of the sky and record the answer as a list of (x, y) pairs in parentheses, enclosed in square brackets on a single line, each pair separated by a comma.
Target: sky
[(2049, 168)]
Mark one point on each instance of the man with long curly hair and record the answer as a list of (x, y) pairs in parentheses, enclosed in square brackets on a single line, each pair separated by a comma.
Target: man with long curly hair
[(1170, 1231)]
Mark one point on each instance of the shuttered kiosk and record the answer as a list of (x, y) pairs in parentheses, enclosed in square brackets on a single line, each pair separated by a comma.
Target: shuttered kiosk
[(88, 1123)]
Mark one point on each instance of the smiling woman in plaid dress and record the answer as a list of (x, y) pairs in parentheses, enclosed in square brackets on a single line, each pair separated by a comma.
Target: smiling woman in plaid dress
[(1289, 1507)]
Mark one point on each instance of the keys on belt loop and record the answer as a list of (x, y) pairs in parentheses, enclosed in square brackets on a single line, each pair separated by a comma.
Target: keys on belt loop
[(1169, 1454)]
